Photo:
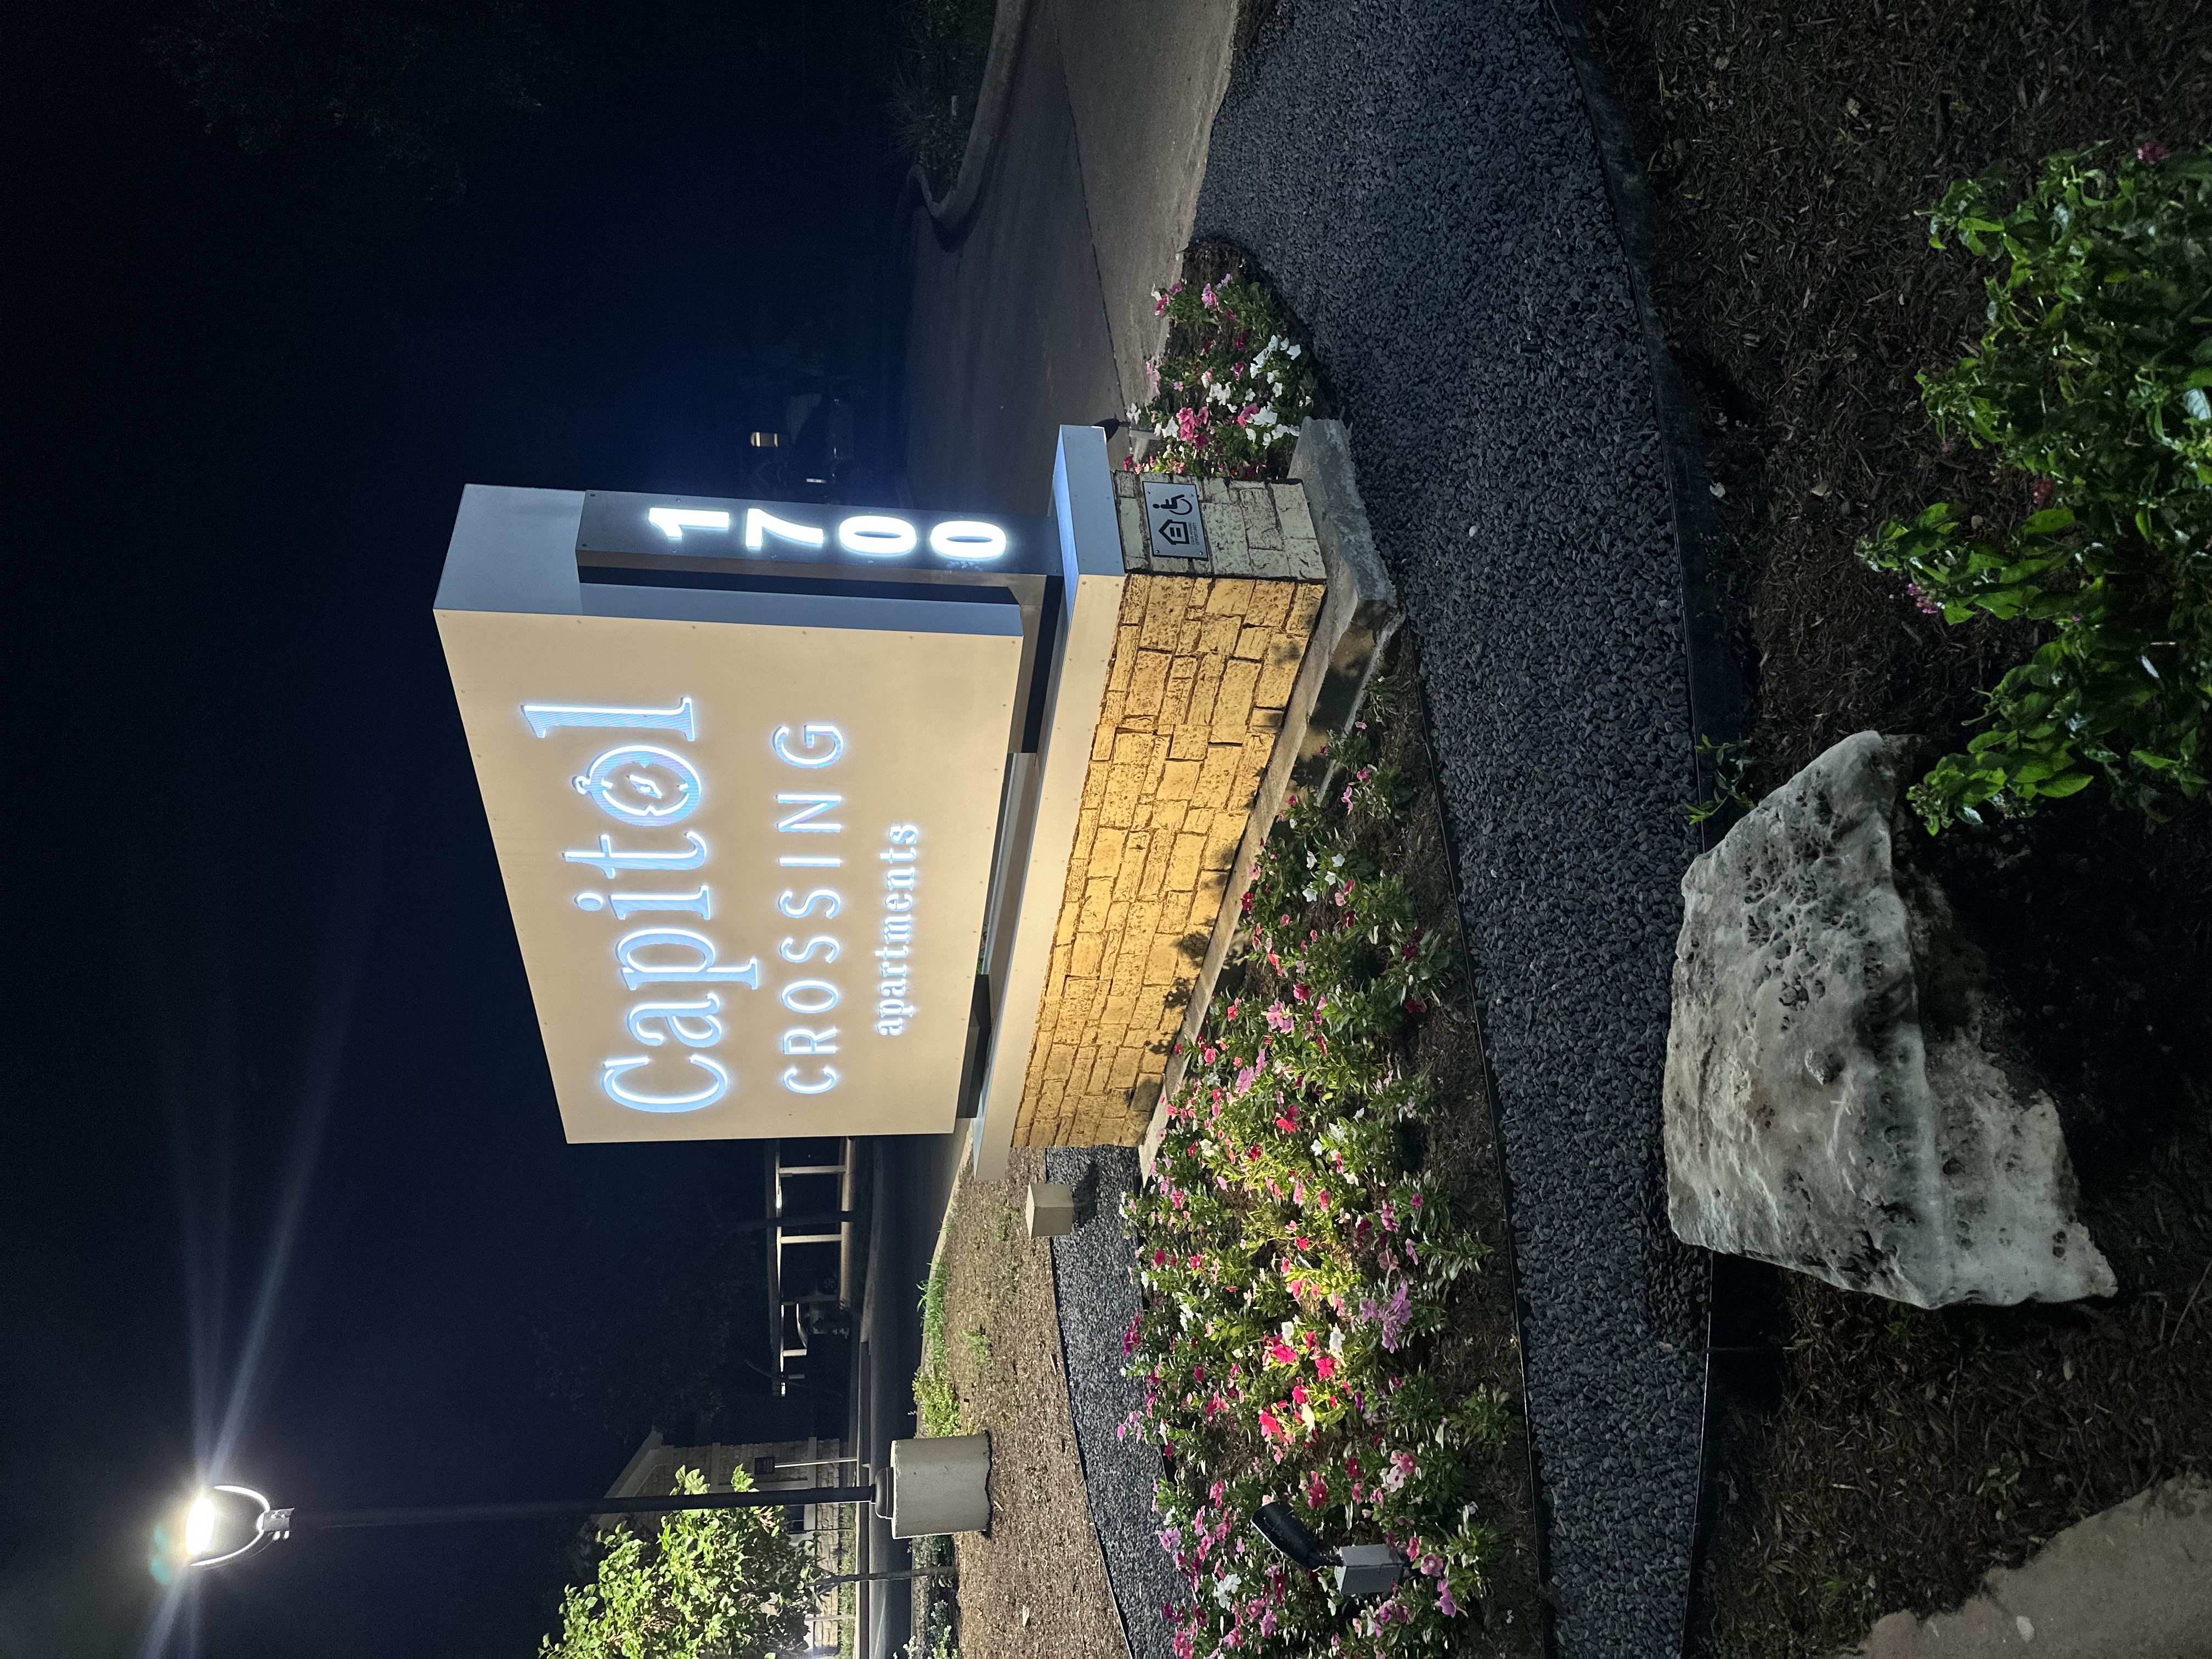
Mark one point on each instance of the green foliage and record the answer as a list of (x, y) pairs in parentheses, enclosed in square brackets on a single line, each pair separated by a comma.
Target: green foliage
[(713, 1584), (937, 1408), (1731, 764), (944, 48), (2092, 379), (1296, 1261), (403, 75), (1230, 389), (935, 1636)]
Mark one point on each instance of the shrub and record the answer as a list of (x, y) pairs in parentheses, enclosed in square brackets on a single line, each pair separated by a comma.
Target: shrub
[(1295, 1261), (1230, 389), (944, 48), (711, 1584), (2092, 378)]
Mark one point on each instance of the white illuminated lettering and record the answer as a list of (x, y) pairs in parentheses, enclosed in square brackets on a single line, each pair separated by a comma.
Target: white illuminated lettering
[(821, 996), (807, 905), (804, 1040), (691, 1024), (610, 1079), (621, 784), (872, 536), (798, 822), (805, 952), (808, 862), (790, 1081), (700, 903), (760, 526), (544, 717), (701, 969), (609, 859), (673, 521), (967, 539), (813, 733)]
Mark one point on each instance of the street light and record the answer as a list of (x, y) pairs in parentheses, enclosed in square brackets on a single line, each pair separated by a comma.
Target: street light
[(931, 1485), (205, 1534), (204, 1519)]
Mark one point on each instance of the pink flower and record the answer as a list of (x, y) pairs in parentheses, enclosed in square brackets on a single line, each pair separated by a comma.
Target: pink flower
[(1279, 1017), (1445, 1604), (2150, 152), (1208, 297)]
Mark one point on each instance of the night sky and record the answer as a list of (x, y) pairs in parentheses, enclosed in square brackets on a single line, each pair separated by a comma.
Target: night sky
[(280, 1149)]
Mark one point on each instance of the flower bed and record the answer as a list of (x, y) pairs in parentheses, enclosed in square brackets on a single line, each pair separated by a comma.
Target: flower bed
[(1232, 385), (1312, 1280)]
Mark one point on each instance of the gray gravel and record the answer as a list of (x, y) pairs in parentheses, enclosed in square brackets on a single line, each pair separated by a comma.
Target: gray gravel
[(1421, 180), (1097, 1300)]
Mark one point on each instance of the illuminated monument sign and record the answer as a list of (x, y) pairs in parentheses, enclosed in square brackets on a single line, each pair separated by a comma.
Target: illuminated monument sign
[(742, 762)]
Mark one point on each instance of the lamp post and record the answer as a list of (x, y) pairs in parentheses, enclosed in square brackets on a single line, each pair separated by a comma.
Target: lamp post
[(204, 1542), (931, 1485)]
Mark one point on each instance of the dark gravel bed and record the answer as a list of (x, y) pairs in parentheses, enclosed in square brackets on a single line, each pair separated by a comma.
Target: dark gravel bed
[(1420, 181), (1097, 1300)]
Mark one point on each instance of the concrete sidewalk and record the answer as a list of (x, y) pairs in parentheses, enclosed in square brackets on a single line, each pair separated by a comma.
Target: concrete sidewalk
[(1039, 312), (2133, 1582)]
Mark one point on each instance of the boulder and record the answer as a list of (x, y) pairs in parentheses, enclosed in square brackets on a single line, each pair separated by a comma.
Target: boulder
[(1843, 1095)]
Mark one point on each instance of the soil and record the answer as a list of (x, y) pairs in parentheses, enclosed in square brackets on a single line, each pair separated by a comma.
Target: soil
[(1037, 1582), (1886, 1458), (1481, 1345)]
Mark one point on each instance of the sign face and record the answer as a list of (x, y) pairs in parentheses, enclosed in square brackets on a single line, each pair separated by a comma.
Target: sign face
[(746, 848), (621, 529), (1171, 516)]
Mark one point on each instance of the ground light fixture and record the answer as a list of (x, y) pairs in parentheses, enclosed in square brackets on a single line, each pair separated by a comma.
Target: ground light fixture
[(1362, 1569)]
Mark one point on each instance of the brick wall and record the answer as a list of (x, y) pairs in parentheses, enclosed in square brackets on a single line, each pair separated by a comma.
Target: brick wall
[(1203, 666)]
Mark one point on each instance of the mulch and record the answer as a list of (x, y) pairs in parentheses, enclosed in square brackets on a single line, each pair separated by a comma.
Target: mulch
[(1895, 1457), (1036, 1583)]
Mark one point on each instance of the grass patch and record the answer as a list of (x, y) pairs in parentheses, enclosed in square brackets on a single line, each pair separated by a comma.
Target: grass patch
[(935, 1406)]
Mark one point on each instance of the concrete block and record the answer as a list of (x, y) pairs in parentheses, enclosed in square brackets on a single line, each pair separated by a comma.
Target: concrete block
[(941, 1485), (1050, 1211)]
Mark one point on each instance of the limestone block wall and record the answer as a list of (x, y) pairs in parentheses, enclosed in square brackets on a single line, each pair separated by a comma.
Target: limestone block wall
[(1204, 664)]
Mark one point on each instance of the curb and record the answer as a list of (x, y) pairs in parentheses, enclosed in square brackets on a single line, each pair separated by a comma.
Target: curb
[(983, 131)]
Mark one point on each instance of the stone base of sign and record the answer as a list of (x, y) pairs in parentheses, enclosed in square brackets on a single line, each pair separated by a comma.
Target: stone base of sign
[(1219, 671)]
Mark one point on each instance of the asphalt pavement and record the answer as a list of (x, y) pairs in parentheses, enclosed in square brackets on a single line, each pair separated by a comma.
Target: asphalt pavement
[(1039, 312)]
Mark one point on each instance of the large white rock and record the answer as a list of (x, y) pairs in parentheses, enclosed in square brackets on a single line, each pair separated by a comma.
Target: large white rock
[(1841, 1096)]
